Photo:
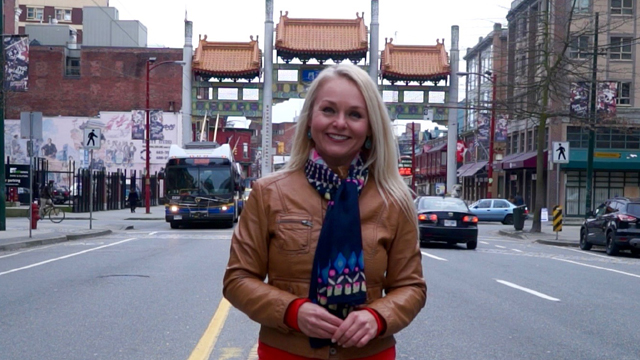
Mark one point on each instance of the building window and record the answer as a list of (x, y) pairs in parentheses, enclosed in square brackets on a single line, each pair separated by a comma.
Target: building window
[(514, 143), (35, 13), (530, 140), (620, 48), (579, 47), (72, 67), (63, 14), (624, 93), (622, 7), (581, 6), (522, 145), (509, 145), (245, 150)]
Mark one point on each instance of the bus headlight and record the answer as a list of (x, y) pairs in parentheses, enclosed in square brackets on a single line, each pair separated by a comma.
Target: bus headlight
[(174, 208), (224, 208)]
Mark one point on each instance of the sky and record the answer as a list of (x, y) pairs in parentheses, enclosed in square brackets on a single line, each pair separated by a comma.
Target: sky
[(408, 22)]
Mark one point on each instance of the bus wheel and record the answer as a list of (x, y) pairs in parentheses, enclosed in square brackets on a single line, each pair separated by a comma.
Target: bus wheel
[(175, 224)]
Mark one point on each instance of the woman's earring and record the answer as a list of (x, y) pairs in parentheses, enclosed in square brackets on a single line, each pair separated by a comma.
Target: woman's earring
[(309, 134), (367, 143)]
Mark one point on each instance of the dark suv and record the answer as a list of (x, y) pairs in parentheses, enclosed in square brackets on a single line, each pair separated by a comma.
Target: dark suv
[(614, 224)]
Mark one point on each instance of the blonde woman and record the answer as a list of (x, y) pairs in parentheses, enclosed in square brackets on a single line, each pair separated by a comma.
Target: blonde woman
[(334, 232)]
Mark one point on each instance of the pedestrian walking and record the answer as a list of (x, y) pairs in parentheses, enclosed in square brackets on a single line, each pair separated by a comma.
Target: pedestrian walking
[(333, 232), (133, 199)]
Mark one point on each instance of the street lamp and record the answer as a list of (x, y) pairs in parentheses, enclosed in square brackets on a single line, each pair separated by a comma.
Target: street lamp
[(492, 123), (147, 178)]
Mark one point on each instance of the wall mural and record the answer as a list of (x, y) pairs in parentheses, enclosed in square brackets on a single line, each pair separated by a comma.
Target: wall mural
[(62, 143)]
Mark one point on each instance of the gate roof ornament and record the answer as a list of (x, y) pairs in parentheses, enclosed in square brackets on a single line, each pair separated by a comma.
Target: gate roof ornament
[(414, 62), (322, 39), (228, 60)]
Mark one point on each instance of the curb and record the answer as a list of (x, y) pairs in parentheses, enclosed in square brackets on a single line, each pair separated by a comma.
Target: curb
[(54, 240), (510, 234), (556, 243)]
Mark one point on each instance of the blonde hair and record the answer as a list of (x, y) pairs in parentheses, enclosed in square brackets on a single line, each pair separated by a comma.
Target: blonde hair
[(382, 158)]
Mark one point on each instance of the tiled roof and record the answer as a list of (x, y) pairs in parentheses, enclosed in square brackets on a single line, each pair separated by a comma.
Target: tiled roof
[(414, 63), (321, 36), (228, 59)]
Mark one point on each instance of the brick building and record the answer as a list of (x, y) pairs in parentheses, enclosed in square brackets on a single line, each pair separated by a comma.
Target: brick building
[(108, 79)]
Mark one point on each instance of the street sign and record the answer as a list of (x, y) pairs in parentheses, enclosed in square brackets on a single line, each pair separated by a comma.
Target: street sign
[(17, 175), (91, 139), (31, 125), (440, 188), (561, 152)]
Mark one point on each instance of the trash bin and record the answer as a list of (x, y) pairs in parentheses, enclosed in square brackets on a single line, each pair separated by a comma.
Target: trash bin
[(518, 217)]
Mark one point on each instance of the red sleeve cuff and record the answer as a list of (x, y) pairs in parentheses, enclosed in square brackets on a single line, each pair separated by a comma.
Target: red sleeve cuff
[(382, 326), (291, 315)]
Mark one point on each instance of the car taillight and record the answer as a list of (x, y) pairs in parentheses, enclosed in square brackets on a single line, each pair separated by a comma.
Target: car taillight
[(471, 219), (430, 217), (627, 218)]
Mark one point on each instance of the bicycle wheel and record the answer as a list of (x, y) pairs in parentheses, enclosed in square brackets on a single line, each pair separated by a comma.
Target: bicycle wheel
[(56, 215)]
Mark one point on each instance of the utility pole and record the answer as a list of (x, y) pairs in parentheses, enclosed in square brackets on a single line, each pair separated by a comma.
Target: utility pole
[(267, 92), (452, 124), (413, 156), (593, 119), (492, 130), (3, 185), (373, 42)]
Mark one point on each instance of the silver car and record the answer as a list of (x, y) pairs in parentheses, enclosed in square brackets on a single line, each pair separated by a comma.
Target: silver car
[(495, 210)]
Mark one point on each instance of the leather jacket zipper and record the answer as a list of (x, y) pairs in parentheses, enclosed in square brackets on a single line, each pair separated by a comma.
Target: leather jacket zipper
[(303, 222)]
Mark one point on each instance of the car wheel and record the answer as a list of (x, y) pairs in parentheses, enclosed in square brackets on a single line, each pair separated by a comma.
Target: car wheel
[(175, 224), (472, 244), (635, 252), (508, 220), (612, 247), (584, 244)]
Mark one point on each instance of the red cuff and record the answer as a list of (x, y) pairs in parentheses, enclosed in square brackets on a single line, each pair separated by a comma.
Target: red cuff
[(382, 325), (291, 315)]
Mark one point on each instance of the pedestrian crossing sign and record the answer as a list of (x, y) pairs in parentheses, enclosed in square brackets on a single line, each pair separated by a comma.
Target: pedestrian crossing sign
[(561, 152), (91, 139)]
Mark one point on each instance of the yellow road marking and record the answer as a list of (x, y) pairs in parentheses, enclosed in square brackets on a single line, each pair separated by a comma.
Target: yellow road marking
[(208, 340), (253, 354)]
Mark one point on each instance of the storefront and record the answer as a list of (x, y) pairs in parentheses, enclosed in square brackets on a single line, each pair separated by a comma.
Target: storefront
[(520, 176), (473, 177), (616, 173)]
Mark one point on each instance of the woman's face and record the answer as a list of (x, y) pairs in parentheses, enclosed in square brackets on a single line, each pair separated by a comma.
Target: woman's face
[(339, 121)]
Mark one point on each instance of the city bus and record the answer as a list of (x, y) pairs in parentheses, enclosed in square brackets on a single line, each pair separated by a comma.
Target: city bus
[(203, 184)]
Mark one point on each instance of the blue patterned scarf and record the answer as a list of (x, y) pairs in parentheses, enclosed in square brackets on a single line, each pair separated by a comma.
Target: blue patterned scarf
[(337, 278)]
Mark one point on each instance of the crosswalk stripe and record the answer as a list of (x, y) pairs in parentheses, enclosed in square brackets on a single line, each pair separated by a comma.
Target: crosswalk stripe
[(253, 354)]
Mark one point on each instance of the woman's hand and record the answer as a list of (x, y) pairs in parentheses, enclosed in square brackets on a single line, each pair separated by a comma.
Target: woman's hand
[(315, 321), (356, 330)]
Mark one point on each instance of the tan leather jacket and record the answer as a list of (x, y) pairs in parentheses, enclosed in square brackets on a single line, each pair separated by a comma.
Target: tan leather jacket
[(276, 238)]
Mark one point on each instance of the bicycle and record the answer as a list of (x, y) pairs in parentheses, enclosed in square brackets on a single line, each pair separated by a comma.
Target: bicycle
[(56, 214)]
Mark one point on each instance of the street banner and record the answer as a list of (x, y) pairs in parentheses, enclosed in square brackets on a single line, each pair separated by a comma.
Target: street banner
[(16, 66), (137, 124), (156, 125), (501, 128), (579, 99), (483, 130), (606, 96)]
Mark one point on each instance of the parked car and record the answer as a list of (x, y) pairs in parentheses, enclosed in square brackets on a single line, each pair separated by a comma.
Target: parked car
[(446, 219), (495, 210), (614, 224), (59, 194)]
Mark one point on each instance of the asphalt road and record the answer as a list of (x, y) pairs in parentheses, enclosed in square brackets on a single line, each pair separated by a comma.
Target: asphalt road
[(155, 293)]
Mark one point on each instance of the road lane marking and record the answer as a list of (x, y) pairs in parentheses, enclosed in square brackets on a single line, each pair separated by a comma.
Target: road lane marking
[(153, 233), (584, 252), (598, 267), (516, 250), (484, 242), (208, 340), (532, 292), (65, 257), (433, 256), (500, 247)]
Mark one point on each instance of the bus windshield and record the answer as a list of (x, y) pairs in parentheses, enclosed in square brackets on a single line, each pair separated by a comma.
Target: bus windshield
[(199, 180)]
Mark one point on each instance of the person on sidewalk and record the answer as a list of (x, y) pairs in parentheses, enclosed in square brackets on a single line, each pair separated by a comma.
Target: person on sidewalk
[(133, 199), (334, 232)]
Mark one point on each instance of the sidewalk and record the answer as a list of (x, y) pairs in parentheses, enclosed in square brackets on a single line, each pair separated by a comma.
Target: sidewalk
[(75, 226), (569, 236)]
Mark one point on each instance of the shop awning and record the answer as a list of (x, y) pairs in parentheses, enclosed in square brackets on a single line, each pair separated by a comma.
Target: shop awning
[(462, 169), (522, 161), (440, 147), (474, 168)]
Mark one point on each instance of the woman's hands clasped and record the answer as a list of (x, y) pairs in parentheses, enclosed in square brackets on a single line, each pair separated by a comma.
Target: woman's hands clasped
[(356, 330)]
